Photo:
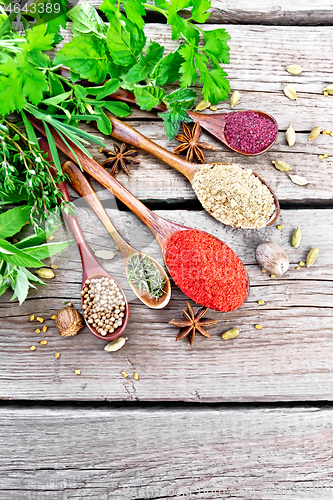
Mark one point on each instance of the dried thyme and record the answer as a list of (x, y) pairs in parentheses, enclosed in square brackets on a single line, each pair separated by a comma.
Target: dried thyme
[(145, 276)]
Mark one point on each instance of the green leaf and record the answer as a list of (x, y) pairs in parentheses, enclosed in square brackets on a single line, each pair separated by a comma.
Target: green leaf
[(39, 58), (20, 286), (167, 70), (86, 56), (215, 86), (181, 95), (29, 129), (188, 69), (35, 239), (32, 277), (135, 11), (125, 41), (104, 124), (53, 147), (57, 99), (55, 85), (173, 118), (38, 39), (108, 88), (147, 63), (13, 255), (3, 288), (198, 12), (47, 250), (12, 221), (85, 20), (216, 46), (147, 97), (120, 109)]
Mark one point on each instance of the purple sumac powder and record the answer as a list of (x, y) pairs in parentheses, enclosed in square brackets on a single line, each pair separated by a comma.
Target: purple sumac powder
[(249, 132)]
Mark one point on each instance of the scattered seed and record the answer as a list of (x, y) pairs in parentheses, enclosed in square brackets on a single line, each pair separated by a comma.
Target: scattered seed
[(325, 155), (54, 316), (213, 108), (115, 344), (54, 266), (84, 386), (281, 165), (329, 89), (290, 92), (279, 226), (43, 342), (15, 240), (77, 372), (230, 334), (234, 99), (291, 136), (136, 376), (258, 327), (124, 374), (296, 238), (57, 355), (325, 93), (263, 270), (312, 257), (41, 320), (44, 328), (33, 348), (272, 275), (45, 273), (301, 264), (314, 134), (327, 132), (298, 268), (37, 330), (105, 254), (261, 302), (294, 69), (298, 179), (202, 105), (51, 237), (32, 317), (321, 157)]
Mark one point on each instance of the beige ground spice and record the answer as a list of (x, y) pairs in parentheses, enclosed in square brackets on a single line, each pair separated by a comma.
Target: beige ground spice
[(233, 195)]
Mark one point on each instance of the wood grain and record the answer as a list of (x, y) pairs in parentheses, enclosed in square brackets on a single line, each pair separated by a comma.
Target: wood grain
[(107, 453), (291, 358)]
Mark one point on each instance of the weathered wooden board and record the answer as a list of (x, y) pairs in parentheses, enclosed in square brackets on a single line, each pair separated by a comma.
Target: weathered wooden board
[(291, 358), (105, 453)]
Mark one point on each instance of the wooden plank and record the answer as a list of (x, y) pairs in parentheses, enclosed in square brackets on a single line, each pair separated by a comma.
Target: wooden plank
[(104, 453), (291, 358)]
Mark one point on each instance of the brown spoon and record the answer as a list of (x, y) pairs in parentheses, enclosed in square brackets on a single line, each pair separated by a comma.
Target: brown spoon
[(91, 268), (83, 188), (161, 228), (125, 133)]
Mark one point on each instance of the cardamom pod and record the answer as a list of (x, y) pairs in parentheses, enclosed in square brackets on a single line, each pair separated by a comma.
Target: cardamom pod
[(290, 92), (294, 69), (45, 273), (281, 165), (314, 134), (105, 254), (234, 98), (298, 179), (115, 344), (312, 257), (296, 238), (202, 105), (291, 135), (329, 89), (230, 334)]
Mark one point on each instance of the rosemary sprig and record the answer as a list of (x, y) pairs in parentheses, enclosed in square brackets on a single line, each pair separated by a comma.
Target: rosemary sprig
[(145, 276)]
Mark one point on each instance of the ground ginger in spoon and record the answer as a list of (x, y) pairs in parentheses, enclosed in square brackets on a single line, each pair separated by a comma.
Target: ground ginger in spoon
[(234, 195)]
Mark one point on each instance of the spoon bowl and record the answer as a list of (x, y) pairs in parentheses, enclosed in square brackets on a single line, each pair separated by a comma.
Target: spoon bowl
[(82, 186), (91, 268)]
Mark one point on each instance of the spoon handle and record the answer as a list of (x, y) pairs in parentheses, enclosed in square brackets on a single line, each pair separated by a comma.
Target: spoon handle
[(87, 257), (84, 189), (160, 227), (125, 133)]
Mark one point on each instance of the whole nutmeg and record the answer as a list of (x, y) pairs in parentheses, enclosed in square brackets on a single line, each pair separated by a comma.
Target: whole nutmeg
[(272, 258), (68, 321)]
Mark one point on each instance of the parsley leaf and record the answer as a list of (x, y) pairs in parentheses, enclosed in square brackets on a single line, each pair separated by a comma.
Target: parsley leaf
[(38, 39), (167, 69), (147, 97)]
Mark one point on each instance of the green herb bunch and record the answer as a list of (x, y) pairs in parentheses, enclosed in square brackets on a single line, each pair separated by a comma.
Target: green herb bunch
[(121, 51), (145, 276), (28, 252)]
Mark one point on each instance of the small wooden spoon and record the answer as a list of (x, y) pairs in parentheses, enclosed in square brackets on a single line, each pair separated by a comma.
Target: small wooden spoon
[(83, 188), (125, 133), (91, 268), (161, 228)]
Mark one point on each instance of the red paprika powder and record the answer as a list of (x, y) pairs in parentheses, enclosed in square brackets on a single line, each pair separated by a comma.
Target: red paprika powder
[(207, 270)]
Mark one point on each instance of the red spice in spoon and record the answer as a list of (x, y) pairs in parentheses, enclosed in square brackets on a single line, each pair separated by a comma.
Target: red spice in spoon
[(207, 270), (249, 132)]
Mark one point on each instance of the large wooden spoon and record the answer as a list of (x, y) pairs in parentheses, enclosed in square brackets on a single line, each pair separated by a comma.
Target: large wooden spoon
[(83, 188), (91, 268), (125, 133), (162, 229)]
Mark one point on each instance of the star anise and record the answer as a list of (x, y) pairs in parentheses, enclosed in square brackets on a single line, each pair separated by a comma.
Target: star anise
[(191, 323), (119, 159), (191, 144)]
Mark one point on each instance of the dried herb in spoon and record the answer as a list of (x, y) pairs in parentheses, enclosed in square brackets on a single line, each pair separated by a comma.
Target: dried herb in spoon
[(145, 276)]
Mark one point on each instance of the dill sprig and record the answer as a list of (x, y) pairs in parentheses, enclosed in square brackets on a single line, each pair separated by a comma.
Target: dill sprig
[(145, 276)]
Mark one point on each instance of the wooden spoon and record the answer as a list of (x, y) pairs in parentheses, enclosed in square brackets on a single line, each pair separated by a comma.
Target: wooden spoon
[(83, 188), (125, 133), (91, 268), (161, 228)]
